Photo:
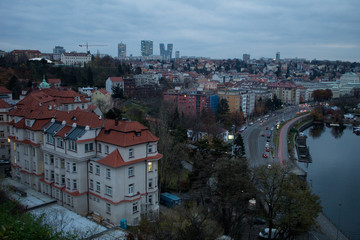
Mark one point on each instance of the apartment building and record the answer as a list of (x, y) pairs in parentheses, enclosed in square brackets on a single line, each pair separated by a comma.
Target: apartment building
[(287, 92), (74, 58), (192, 102), (88, 164), (4, 130), (239, 100)]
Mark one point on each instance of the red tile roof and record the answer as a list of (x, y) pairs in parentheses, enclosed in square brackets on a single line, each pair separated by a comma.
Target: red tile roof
[(4, 104), (79, 117), (125, 133), (4, 90), (54, 80), (116, 79), (114, 159)]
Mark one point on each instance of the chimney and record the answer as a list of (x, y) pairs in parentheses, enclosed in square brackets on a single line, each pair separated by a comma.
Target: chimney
[(63, 122)]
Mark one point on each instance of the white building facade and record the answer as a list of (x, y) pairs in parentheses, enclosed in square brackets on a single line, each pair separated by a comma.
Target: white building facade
[(90, 165)]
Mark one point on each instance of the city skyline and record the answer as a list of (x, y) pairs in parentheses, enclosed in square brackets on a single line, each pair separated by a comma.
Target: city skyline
[(219, 30)]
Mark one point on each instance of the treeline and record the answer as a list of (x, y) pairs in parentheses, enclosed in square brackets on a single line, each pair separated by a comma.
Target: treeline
[(93, 74)]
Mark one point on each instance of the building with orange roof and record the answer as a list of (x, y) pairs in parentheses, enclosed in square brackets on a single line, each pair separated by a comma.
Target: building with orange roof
[(112, 82), (86, 163), (102, 99), (286, 91)]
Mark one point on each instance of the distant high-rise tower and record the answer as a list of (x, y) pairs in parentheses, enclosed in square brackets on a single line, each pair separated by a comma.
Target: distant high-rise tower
[(166, 54), (277, 56), (121, 50), (177, 54), (146, 48), (58, 50), (246, 57)]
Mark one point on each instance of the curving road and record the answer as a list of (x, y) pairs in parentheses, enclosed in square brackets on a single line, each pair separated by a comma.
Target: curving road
[(255, 143)]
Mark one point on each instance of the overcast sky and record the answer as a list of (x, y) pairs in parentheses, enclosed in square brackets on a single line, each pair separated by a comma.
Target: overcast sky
[(321, 29)]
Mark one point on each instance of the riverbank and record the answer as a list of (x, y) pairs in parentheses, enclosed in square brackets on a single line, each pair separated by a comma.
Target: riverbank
[(326, 227)]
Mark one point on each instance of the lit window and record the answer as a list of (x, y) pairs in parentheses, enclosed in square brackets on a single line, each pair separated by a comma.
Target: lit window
[(150, 167)]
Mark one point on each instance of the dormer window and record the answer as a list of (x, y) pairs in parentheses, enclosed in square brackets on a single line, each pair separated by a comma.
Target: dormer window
[(138, 134), (77, 99)]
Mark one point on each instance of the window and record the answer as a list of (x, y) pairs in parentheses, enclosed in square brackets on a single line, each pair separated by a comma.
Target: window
[(91, 184), (135, 207), (131, 171), (60, 143), (68, 183), (150, 199), (67, 166), (89, 147), (90, 167), (108, 173), (108, 208), (72, 145), (97, 170), (1, 118), (49, 138), (98, 186), (131, 153), (74, 184), (74, 167), (131, 189), (47, 174), (107, 149), (2, 145), (2, 133), (62, 179), (150, 182), (150, 148), (108, 190), (33, 152), (99, 148), (150, 167), (57, 178)]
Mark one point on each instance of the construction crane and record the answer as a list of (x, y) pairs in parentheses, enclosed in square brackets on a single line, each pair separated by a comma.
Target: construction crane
[(88, 45)]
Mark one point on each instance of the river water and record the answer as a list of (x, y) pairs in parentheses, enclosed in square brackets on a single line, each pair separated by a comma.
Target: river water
[(334, 175)]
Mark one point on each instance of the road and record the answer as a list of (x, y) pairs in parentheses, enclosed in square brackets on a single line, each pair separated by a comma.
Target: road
[(255, 143)]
